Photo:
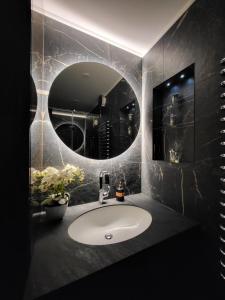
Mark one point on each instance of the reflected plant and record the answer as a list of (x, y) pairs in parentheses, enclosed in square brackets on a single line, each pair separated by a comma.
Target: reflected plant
[(175, 153), (173, 156)]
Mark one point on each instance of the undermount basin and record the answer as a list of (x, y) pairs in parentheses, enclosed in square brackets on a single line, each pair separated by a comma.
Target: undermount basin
[(110, 224)]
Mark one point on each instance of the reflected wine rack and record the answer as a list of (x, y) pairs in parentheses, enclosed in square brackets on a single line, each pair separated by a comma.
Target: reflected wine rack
[(222, 178), (104, 140)]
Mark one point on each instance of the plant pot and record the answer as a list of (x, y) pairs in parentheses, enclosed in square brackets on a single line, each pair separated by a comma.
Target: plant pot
[(55, 213)]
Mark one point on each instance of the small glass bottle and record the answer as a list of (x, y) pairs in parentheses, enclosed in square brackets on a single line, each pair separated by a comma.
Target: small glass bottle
[(172, 119), (120, 191)]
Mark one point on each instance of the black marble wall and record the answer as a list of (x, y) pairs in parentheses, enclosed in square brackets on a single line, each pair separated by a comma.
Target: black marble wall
[(56, 46), (190, 188)]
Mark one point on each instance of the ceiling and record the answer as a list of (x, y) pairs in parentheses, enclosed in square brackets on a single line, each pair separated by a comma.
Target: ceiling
[(133, 25)]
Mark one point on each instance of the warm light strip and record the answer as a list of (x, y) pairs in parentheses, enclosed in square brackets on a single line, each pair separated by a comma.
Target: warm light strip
[(112, 39), (84, 30)]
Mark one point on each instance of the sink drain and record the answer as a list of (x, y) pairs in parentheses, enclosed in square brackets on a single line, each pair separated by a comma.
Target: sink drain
[(108, 236)]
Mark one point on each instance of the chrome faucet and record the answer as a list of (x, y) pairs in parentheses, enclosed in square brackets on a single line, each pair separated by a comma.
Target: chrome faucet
[(104, 186)]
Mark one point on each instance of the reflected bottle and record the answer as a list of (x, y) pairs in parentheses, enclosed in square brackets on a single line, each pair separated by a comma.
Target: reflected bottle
[(174, 100), (172, 119), (129, 130)]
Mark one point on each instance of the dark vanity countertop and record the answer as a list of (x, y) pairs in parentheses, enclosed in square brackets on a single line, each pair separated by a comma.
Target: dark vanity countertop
[(58, 260)]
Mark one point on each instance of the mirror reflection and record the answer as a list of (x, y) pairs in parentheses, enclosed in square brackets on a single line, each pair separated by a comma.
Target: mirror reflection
[(33, 102), (94, 110), (71, 134)]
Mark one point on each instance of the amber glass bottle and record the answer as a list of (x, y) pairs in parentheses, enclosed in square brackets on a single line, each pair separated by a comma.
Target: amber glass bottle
[(120, 191)]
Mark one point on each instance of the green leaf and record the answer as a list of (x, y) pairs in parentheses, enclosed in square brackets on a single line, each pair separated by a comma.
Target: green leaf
[(47, 201)]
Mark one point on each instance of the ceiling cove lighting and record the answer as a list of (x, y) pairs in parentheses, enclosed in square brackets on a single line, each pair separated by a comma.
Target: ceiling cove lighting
[(98, 33)]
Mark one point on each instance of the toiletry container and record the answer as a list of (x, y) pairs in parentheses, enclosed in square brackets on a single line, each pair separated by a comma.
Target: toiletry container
[(120, 191)]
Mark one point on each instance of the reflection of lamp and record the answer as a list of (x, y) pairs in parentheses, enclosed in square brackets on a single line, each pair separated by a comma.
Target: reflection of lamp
[(130, 116), (102, 100), (95, 122), (129, 130)]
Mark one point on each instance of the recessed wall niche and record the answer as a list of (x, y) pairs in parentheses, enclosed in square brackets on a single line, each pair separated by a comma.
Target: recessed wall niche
[(173, 118)]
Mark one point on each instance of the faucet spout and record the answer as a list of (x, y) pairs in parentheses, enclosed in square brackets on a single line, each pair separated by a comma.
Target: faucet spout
[(104, 186)]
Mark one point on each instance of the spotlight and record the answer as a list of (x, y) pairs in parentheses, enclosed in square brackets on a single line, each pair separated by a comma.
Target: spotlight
[(182, 76), (168, 84)]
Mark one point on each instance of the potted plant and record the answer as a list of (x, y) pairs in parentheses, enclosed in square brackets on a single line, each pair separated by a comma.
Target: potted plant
[(49, 188)]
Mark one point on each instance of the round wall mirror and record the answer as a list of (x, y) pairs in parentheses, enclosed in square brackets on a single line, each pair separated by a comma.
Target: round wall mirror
[(98, 108)]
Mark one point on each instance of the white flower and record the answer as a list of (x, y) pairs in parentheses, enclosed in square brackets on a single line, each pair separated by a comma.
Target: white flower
[(50, 171), (54, 181)]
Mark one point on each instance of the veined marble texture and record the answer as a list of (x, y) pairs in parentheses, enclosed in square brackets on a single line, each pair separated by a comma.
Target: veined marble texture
[(56, 46), (190, 188)]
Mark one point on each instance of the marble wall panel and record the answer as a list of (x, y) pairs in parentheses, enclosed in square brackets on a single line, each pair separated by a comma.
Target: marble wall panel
[(56, 46)]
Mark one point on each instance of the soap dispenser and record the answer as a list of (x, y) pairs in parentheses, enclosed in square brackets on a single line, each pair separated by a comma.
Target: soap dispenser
[(120, 191)]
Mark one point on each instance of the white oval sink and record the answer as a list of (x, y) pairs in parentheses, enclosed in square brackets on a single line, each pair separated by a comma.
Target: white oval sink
[(109, 225)]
